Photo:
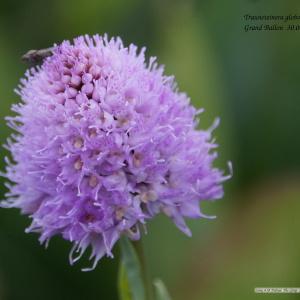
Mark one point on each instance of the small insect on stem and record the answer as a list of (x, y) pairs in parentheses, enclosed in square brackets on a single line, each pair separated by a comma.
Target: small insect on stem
[(35, 57)]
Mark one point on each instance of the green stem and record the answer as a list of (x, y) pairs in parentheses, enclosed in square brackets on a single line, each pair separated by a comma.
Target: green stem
[(133, 280), (139, 248)]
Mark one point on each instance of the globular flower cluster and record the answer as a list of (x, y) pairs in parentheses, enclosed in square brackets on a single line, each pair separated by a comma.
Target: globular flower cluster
[(104, 143)]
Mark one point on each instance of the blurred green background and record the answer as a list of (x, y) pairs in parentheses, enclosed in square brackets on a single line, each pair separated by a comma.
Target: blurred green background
[(251, 80)]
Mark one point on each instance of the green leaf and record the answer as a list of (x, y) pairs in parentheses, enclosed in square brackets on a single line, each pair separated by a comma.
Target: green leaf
[(161, 292), (131, 285)]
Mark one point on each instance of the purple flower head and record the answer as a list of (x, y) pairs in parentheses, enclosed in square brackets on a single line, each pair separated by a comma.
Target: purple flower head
[(105, 142)]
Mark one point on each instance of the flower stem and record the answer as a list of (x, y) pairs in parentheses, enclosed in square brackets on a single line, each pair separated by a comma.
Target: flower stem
[(139, 248)]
